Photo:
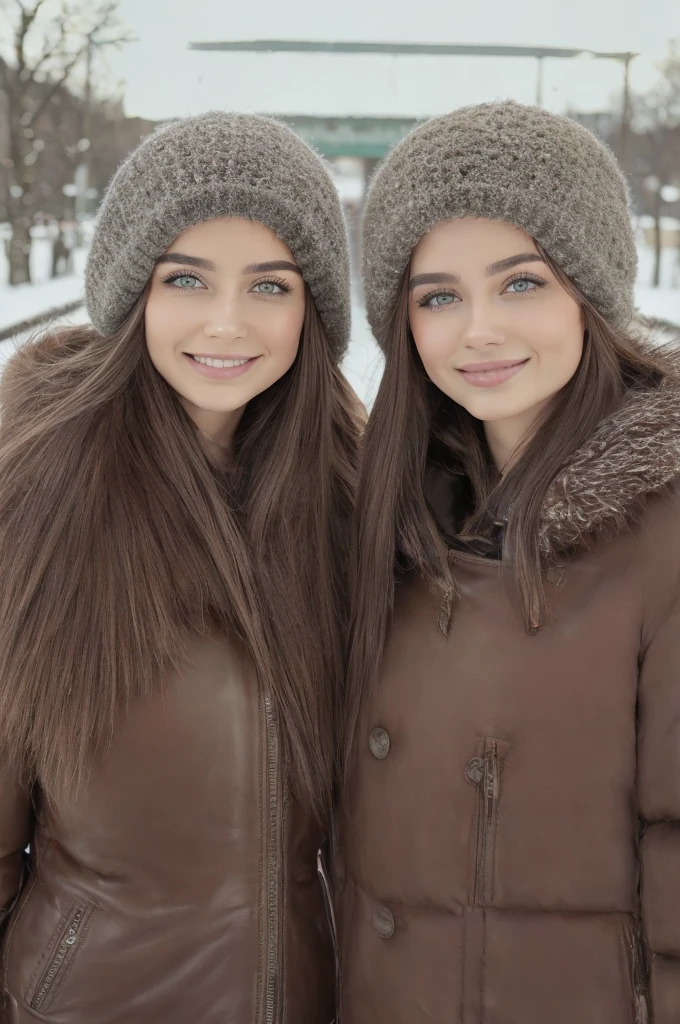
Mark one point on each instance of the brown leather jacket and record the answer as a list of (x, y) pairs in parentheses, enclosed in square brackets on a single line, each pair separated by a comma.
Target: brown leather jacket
[(181, 884), (512, 836)]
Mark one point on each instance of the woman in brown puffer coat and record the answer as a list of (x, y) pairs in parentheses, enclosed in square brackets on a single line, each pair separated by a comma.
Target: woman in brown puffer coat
[(510, 836)]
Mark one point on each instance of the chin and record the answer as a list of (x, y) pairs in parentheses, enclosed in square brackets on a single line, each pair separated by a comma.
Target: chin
[(491, 411)]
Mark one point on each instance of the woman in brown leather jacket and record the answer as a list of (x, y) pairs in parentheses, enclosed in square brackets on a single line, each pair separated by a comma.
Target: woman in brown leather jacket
[(174, 486), (511, 828)]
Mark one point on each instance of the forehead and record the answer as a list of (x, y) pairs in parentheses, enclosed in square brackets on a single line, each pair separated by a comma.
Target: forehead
[(468, 241), (222, 237)]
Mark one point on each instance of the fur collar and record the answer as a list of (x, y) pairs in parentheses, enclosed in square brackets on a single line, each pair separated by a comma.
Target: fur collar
[(633, 454)]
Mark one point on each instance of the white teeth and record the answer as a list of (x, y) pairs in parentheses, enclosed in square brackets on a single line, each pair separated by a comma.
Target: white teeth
[(220, 363)]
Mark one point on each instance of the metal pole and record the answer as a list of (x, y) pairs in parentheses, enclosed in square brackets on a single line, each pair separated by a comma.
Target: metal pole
[(625, 112), (539, 83), (83, 171)]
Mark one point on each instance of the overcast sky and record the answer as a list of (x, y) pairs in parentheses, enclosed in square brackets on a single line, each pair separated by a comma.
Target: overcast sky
[(164, 79)]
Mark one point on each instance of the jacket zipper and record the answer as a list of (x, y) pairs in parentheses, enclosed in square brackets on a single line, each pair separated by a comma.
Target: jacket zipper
[(484, 772), (272, 869), (79, 916), (330, 914), (639, 975)]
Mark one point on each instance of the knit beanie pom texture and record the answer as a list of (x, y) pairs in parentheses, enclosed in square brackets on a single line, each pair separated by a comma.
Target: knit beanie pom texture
[(508, 162), (219, 165)]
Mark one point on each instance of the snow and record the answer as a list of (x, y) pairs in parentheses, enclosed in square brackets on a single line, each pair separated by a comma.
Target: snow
[(663, 302), (364, 361), (23, 301), (667, 223)]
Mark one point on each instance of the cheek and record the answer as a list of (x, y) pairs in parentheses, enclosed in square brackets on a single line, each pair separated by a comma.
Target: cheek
[(562, 349), (164, 324), (435, 338), (154, 333), (280, 331)]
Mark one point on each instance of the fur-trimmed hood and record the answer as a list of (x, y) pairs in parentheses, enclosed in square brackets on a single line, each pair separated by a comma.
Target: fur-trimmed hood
[(634, 453)]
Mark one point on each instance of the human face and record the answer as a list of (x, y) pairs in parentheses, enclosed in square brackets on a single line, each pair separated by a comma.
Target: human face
[(494, 328), (223, 318)]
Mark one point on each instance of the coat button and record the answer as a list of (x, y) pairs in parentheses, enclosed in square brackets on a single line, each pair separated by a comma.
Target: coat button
[(474, 770), (379, 742), (383, 922)]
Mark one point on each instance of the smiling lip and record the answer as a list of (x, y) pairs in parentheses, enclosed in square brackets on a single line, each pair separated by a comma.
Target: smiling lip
[(220, 372), (488, 375)]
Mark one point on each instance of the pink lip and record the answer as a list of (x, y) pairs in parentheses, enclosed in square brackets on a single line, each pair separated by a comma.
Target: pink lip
[(488, 375), (220, 372)]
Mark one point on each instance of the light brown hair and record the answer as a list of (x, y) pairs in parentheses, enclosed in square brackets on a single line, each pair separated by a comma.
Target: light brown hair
[(119, 536), (414, 430)]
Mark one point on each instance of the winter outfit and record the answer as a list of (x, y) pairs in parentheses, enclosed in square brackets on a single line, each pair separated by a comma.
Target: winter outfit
[(219, 165), (511, 835), (183, 882)]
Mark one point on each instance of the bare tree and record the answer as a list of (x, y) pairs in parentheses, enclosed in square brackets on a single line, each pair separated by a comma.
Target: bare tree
[(51, 41), (657, 160)]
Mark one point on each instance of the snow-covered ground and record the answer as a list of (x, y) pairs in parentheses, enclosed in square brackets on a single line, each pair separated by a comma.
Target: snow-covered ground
[(363, 364), (662, 302), (17, 304)]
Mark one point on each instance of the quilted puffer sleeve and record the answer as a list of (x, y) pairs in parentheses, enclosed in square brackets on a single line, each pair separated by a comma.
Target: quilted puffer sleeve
[(659, 795)]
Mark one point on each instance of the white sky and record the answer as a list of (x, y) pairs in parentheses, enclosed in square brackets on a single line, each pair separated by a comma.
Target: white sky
[(162, 78)]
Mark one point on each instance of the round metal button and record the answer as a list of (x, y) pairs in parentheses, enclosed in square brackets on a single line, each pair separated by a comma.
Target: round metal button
[(383, 922), (379, 742)]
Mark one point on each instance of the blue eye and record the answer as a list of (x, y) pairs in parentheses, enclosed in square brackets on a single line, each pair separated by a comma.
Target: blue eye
[(523, 285), (184, 282), (437, 300), (269, 286)]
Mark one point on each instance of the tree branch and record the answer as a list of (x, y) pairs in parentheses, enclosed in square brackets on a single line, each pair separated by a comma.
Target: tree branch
[(55, 86), (50, 49)]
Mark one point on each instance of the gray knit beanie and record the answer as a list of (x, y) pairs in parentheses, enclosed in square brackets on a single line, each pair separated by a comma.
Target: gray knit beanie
[(504, 161), (217, 165)]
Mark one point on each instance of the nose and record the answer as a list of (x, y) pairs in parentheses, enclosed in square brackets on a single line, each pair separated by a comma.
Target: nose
[(481, 329), (224, 320)]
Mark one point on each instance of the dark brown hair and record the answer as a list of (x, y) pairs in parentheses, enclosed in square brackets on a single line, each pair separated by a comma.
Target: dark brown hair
[(415, 430), (119, 535)]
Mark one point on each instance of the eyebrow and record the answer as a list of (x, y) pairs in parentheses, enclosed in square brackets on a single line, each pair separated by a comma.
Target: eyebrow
[(191, 261), (252, 268), (491, 270), (513, 261), (263, 268)]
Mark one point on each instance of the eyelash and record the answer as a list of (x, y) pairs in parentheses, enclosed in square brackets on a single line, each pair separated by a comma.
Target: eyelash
[(283, 285), (521, 276), (177, 275), (538, 281)]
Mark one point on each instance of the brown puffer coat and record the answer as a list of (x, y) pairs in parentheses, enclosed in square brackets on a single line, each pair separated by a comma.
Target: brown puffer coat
[(181, 886), (512, 836)]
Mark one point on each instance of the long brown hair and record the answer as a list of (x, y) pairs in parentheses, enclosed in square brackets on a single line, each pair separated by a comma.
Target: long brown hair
[(119, 535), (414, 429)]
